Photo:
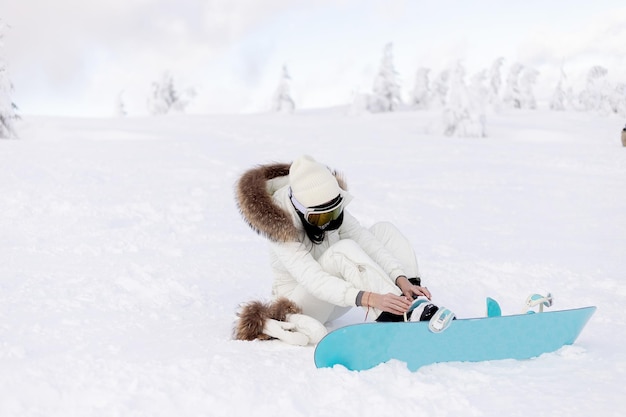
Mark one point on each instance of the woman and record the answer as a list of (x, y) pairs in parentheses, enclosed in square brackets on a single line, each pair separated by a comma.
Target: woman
[(323, 260)]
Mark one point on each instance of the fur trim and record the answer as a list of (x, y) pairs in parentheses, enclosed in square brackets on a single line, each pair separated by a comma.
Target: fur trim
[(252, 316), (279, 309), (259, 210)]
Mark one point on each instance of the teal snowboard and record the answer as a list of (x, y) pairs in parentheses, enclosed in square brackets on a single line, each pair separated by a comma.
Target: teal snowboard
[(523, 336)]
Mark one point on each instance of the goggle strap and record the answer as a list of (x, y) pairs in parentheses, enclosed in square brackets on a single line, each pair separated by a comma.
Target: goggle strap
[(298, 205)]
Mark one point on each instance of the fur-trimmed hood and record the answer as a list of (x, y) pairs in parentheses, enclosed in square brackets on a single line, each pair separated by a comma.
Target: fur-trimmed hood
[(255, 198)]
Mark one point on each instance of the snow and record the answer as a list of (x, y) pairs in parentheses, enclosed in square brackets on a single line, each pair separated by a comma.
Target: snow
[(123, 259)]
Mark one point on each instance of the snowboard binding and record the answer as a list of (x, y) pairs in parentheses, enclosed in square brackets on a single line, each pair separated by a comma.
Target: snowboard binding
[(438, 318), (441, 320), (537, 300)]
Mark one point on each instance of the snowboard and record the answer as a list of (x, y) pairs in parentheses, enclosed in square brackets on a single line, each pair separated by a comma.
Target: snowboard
[(523, 336)]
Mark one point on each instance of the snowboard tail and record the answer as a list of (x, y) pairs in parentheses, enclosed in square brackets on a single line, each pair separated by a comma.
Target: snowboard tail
[(523, 336)]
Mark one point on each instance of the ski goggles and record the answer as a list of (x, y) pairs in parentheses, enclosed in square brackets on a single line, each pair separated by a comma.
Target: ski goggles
[(319, 215)]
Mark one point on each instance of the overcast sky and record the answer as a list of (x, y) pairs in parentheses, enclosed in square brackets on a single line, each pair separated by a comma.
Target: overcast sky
[(74, 57)]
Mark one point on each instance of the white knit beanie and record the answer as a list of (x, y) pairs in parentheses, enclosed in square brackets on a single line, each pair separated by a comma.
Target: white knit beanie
[(312, 183)]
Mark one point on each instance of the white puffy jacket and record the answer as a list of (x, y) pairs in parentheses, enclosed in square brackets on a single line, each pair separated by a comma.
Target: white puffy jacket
[(296, 262), (263, 199)]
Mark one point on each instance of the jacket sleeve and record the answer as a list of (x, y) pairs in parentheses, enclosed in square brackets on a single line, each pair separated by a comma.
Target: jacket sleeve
[(302, 266), (352, 229)]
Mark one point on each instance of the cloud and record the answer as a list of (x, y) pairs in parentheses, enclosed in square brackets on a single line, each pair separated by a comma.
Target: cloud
[(78, 47), (75, 56), (599, 42)]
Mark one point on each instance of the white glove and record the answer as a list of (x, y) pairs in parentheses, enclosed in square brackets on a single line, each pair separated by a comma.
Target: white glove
[(308, 326), (285, 331)]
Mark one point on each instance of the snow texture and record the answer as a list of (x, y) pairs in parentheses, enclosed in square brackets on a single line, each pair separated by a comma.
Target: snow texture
[(123, 259)]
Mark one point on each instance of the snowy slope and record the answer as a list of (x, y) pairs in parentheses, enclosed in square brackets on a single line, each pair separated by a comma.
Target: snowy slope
[(123, 258)]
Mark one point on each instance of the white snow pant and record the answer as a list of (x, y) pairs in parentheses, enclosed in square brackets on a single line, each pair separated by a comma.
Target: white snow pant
[(346, 259)]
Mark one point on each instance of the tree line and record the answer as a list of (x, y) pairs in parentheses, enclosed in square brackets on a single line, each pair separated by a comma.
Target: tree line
[(463, 100)]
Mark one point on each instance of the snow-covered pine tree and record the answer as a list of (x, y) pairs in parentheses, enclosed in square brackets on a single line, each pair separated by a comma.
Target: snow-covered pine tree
[(282, 101), (528, 78), (156, 103), (8, 109), (464, 114), (479, 90), (595, 96), (439, 90), (168, 93), (618, 99), (420, 96), (495, 80), (165, 96), (512, 96), (386, 91), (559, 97)]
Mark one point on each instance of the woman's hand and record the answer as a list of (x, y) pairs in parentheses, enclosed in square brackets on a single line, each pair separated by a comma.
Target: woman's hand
[(396, 304), (411, 291)]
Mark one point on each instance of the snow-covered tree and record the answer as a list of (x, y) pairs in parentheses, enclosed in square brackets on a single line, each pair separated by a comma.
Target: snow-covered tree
[(528, 78), (420, 96), (439, 90), (8, 109), (559, 97), (165, 96), (597, 92), (601, 95), (156, 103), (518, 93), (464, 114), (495, 80), (282, 101), (618, 99), (478, 88), (386, 91), (512, 96)]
